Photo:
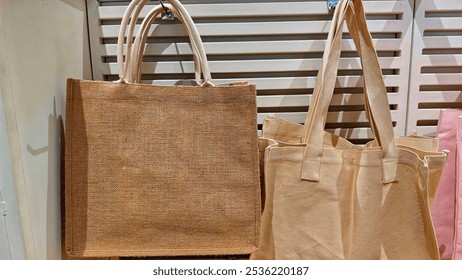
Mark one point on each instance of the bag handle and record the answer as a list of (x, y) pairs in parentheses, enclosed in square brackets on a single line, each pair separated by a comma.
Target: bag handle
[(375, 93), (338, 24), (141, 37), (357, 43), (124, 69), (335, 31), (377, 83)]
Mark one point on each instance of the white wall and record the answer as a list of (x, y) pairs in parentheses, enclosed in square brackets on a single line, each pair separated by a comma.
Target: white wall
[(42, 43), (11, 237)]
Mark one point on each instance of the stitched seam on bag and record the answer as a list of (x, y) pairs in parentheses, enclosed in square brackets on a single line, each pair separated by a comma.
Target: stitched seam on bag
[(165, 252), (218, 251), (72, 213), (69, 200), (408, 158), (256, 171), (455, 245), (172, 86), (172, 249)]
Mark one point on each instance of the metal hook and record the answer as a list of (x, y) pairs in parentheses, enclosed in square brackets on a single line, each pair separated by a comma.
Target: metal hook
[(170, 15), (332, 4)]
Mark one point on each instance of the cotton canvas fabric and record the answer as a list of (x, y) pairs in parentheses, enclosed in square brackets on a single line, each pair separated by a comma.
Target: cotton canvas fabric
[(289, 134), (327, 198)]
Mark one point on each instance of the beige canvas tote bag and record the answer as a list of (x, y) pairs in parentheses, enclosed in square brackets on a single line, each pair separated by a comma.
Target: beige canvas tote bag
[(329, 199), (287, 131), (161, 170)]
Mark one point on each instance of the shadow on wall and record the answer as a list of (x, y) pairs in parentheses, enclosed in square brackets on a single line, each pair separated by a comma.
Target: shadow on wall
[(75, 4), (86, 63), (55, 175)]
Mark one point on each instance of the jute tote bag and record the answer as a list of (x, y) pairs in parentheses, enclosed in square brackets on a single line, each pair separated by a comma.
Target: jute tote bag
[(161, 170), (329, 199), (446, 208)]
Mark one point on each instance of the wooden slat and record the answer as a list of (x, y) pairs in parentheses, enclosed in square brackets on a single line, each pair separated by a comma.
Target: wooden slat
[(441, 54), (292, 82), (442, 42), (257, 38), (305, 99), (356, 133), (443, 24), (425, 130), (256, 28), (253, 47), (441, 60), (442, 5), (249, 66), (258, 9), (429, 114), (353, 133), (440, 96), (441, 79), (332, 117)]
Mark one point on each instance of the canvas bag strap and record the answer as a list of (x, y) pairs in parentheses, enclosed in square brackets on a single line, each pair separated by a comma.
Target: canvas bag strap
[(355, 38), (196, 40), (330, 50), (141, 37), (376, 95)]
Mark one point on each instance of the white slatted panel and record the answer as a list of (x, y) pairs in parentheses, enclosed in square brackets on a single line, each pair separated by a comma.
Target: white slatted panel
[(277, 45), (436, 75)]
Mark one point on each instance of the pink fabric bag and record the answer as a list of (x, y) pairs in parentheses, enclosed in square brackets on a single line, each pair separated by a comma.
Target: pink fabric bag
[(446, 208), (457, 255)]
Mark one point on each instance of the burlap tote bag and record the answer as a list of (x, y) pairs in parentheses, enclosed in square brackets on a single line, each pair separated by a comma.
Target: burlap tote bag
[(161, 170), (327, 198)]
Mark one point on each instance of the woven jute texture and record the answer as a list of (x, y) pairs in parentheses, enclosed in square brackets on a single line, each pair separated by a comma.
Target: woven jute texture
[(161, 170)]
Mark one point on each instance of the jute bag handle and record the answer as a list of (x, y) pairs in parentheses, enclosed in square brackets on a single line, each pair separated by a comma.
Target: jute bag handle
[(376, 95), (141, 37), (176, 7)]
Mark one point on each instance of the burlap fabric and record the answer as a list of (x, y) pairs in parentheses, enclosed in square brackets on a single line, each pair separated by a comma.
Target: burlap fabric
[(161, 170)]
